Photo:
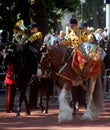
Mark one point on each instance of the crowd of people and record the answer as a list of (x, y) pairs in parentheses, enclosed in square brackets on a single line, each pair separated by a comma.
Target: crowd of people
[(83, 33), (73, 35)]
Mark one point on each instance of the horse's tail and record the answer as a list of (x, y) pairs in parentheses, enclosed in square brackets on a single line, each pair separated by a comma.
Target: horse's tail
[(98, 94)]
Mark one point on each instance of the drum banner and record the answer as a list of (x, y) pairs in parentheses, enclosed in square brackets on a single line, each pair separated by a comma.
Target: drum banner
[(87, 63)]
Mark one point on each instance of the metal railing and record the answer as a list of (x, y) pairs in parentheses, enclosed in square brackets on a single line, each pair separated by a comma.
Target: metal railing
[(106, 83), (2, 77)]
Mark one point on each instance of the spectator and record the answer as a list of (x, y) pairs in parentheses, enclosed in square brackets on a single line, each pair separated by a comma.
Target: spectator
[(104, 34), (67, 30), (61, 36), (98, 35)]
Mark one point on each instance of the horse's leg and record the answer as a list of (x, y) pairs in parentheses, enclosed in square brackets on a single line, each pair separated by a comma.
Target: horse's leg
[(40, 103), (26, 103), (33, 96), (97, 106), (47, 101), (49, 90), (65, 112), (21, 99), (89, 115), (19, 105), (74, 100)]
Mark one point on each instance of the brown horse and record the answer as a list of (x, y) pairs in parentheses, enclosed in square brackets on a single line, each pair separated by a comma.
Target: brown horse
[(56, 62)]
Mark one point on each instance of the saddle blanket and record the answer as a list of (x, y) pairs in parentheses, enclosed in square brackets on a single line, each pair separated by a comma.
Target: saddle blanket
[(86, 60)]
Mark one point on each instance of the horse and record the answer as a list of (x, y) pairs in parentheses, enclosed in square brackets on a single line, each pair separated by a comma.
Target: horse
[(57, 62), (41, 86), (23, 70), (77, 100)]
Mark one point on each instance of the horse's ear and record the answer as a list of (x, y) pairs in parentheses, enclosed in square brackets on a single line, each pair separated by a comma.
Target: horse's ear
[(43, 48), (46, 46)]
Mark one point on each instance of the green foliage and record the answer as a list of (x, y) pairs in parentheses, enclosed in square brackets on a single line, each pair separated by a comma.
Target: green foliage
[(12, 10), (71, 5)]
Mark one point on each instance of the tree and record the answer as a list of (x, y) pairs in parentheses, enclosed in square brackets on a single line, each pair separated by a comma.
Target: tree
[(10, 12), (94, 14), (47, 13), (37, 13)]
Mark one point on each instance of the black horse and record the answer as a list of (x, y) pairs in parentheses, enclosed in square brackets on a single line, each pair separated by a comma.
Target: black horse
[(25, 62), (39, 88)]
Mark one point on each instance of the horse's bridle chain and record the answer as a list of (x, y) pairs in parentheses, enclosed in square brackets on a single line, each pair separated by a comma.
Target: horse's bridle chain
[(63, 65)]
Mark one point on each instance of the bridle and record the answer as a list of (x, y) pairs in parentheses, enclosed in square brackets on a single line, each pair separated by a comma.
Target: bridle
[(49, 68), (45, 57), (10, 56), (55, 75)]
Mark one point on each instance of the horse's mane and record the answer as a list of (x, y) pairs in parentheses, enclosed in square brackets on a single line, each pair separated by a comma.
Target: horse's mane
[(58, 54), (51, 39)]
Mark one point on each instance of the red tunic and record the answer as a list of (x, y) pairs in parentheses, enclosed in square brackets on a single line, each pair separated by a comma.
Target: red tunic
[(9, 74)]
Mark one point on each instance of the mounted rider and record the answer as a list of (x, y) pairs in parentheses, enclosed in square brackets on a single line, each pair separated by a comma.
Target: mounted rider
[(79, 34), (33, 43), (30, 39), (87, 35), (35, 38), (85, 52), (74, 37), (31, 47)]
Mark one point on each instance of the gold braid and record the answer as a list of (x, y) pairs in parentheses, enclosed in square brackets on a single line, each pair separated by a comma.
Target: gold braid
[(35, 36)]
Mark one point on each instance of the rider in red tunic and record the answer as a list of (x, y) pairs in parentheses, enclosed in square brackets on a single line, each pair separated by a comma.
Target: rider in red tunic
[(11, 88)]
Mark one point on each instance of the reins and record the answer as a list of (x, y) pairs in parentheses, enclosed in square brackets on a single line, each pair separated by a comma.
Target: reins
[(65, 77), (62, 66)]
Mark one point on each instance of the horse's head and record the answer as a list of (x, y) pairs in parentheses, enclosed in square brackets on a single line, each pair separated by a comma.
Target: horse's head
[(8, 55), (45, 63), (52, 40), (52, 59)]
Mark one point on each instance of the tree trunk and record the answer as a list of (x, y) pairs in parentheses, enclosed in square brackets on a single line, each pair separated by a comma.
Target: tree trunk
[(37, 12), (95, 14)]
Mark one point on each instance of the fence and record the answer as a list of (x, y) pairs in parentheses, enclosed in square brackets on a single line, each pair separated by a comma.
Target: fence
[(106, 83), (2, 76)]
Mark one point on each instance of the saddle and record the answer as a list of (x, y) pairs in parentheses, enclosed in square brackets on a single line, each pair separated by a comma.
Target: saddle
[(86, 60)]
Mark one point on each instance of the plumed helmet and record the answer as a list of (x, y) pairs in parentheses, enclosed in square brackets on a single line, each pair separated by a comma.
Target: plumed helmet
[(73, 21), (33, 24)]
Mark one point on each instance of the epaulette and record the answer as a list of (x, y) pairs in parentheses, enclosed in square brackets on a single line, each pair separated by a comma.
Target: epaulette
[(35, 36)]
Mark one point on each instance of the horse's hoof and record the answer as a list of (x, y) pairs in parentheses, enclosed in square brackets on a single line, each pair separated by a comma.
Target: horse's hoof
[(17, 114), (27, 113), (44, 111)]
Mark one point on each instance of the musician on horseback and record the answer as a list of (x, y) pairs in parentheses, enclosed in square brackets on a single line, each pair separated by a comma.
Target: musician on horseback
[(35, 34), (74, 37), (31, 47), (79, 34), (87, 35), (33, 43)]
